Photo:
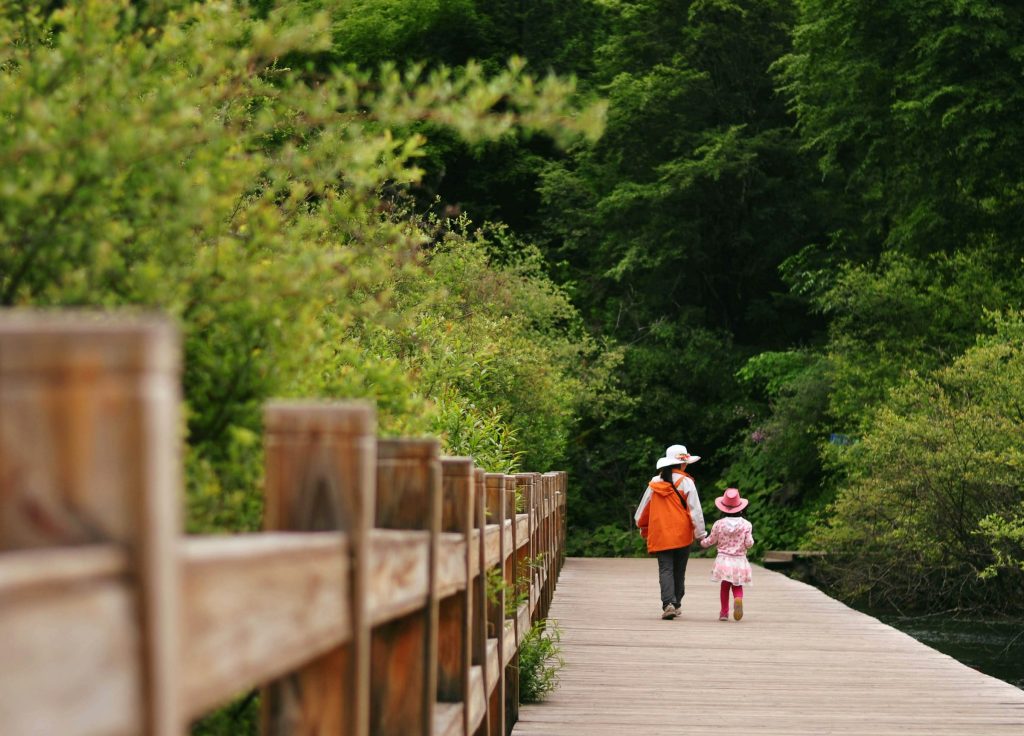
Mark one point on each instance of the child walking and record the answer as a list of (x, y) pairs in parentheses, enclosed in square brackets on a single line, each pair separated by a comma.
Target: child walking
[(734, 536)]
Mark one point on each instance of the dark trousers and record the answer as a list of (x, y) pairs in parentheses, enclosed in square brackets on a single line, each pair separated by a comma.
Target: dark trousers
[(672, 575)]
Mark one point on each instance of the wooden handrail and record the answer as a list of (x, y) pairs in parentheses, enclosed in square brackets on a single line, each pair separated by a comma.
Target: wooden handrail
[(362, 608)]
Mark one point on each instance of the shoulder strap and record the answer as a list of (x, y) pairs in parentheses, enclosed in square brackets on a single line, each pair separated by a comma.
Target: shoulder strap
[(682, 500)]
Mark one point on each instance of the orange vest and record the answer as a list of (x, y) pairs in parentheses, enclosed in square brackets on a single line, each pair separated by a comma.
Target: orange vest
[(666, 519)]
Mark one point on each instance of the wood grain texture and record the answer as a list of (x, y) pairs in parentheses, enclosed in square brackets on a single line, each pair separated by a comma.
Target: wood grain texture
[(90, 452), (799, 663), (479, 719), (321, 463), (455, 617), (496, 507), (69, 638), (512, 637), (403, 678), (128, 627), (257, 607)]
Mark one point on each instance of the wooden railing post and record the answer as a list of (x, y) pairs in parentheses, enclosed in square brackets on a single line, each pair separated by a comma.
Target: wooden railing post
[(552, 539), (563, 514), (403, 684), (90, 453), (525, 484), (511, 578), (496, 608), (320, 475), (480, 601), (455, 622)]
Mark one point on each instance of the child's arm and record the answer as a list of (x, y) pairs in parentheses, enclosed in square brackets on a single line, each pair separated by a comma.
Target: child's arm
[(710, 539), (748, 540)]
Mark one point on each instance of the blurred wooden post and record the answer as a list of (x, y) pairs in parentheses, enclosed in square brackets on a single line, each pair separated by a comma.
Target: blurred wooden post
[(320, 466), (564, 487), (511, 574), (480, 593), (552, 538), (403, 683), (455, 622), (496, 608), (549, 537), (542, 547), (90, 452), (524, 482)]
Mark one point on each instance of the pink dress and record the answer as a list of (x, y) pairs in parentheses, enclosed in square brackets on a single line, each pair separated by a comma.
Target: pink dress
[(734, 536)]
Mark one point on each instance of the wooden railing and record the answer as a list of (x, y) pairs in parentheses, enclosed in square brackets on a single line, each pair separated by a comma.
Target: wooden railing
[(361, 609)]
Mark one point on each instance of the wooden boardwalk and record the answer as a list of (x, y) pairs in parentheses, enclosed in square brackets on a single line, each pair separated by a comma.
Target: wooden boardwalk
[(798, 663)]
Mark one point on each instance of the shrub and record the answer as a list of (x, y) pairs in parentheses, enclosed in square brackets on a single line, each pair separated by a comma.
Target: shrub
[(607, 540), (540, 660), (931, 513)]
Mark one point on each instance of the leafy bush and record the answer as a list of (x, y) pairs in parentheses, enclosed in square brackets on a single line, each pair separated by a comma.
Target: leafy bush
[(184, 157), (540, 660), (607, 540), (776, 457), (931, 513)]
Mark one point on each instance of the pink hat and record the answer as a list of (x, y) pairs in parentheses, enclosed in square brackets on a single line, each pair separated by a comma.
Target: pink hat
[(730, 501)]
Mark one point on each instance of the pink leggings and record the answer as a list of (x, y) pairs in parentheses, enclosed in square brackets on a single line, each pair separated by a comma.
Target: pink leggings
[(737, 591)]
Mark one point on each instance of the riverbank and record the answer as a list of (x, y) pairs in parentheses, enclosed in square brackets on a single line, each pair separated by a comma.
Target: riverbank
[(995, 647)]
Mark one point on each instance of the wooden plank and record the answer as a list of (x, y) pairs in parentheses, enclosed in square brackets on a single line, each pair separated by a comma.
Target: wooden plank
[(523, 531), (399, 574), (492, 545), (809, 665), (449, 719), (320, 476), (70, 661), (257, 607), (403, 679), (477, 699), (453, 551), (90, 452), (455, 623)]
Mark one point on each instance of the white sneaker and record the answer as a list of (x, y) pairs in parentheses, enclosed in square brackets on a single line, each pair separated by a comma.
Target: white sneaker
[(669, 611)]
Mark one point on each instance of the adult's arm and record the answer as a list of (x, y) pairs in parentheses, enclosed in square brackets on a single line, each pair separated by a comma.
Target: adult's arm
[(696, 513), (643, 513)]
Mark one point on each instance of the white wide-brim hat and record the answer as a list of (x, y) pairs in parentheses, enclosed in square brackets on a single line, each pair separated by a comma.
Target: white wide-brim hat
[(681, 455)]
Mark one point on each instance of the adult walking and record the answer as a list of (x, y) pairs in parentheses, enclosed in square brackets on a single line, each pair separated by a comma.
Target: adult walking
[(670, 519)]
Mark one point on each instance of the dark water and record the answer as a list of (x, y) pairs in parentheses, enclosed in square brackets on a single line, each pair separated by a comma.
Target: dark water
[(995, 647)]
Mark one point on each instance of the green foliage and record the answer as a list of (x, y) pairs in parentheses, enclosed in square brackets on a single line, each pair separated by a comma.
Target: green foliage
[(172, 160), (240, 717), (517, 593), (671, 228), (934, 492), (540, 660), (1004, 533), (916, 114), (607, 540), (907, 314)]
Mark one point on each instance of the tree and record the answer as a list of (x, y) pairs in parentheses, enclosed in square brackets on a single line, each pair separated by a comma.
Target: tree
[(671, 228)]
